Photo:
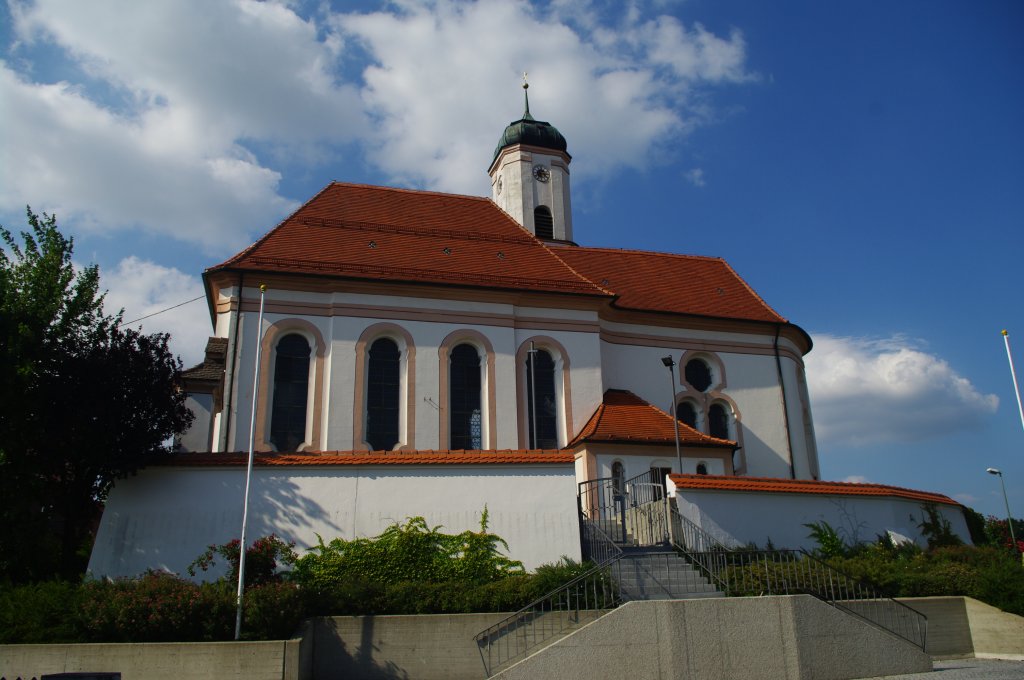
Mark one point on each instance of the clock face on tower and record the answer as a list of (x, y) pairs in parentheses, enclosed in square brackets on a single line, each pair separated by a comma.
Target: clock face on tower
[(541, 173)]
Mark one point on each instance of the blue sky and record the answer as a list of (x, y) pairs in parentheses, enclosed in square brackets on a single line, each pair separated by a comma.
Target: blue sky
[(861, 164)]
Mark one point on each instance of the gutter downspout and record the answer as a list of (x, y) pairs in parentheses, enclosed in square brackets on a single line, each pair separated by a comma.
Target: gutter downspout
[(785, 401), (229, 372)]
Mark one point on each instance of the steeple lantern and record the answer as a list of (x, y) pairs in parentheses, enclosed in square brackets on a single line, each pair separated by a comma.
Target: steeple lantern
[(530, 176)]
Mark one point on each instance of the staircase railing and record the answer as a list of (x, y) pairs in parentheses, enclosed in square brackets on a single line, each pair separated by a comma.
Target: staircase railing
[(631, 512), (581, 600), (739, 572)]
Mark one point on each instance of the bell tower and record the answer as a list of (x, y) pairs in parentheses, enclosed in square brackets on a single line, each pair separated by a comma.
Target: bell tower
[(530, 176)]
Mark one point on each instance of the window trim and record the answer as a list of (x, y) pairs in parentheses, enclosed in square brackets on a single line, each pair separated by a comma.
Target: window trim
[(702, 401), (265, 392), (563, 389), (406, 374), (489, 436)]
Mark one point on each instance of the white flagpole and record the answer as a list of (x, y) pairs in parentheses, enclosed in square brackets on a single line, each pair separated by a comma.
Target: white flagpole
[(1013, 374), (248, 470)]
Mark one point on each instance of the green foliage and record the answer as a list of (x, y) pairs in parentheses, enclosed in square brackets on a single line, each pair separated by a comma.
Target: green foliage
[(412, 551), (975, 526), (261, 559), (830, 543), (998, 533), (84, 402), (936, 528), (39, 613)]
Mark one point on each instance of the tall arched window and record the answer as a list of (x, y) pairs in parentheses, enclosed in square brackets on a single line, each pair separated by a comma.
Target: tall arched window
[(291, 392), (543, 224), (540, 400), (718, 421), (466, 424), (618, 478), (686, 413), (383, 387)]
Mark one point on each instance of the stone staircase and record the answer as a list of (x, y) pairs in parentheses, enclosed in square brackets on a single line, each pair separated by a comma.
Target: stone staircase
[(656, 574)]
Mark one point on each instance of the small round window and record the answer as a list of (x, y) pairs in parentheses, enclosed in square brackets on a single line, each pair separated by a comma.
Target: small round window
[(698, 374)]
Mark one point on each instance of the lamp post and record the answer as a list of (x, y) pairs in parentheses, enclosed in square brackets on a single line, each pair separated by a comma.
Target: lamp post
[(1009, 517), (670, 365)]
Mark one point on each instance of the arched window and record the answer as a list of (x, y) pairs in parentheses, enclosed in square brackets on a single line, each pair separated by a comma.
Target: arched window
[(702, 468), (718, 421), (698, 374), (541, 414), (686, 413), (466, 424), (291, 391), (618, 478), (383, 387), (543, 224)]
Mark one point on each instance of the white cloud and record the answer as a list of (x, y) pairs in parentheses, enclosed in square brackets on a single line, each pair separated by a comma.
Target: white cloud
[(444, 73), (141, 288), (856, 479), (178, 117), (695, 177), (866, 391), (156, 133)]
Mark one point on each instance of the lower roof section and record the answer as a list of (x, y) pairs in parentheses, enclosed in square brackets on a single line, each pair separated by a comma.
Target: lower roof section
[(802, 486), (329, 458)]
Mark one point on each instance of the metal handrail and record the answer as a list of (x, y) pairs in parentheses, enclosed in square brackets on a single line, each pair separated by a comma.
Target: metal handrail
[(596, 590), (739, 572)]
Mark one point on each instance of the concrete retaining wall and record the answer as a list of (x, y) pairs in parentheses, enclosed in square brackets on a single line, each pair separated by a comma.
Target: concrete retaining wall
[(274, 660), (432, 647), (786, 637), (963, 626)]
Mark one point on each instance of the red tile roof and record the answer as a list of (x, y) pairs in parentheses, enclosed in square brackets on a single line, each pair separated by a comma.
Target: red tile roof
[(322, 458), (382, 233), (626, 418), (803, 486), (663, 282), (388, 234)]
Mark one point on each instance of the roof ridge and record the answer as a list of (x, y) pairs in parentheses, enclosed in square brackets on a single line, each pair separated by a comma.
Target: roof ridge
[(407, 190), (637, 251)]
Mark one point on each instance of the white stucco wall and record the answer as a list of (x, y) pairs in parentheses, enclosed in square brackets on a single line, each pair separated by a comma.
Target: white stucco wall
[(164, 517), (737, 518), (752, 383)]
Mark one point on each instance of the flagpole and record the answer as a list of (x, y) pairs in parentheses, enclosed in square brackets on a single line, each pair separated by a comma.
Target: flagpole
[(248, 470), (1013, 374)]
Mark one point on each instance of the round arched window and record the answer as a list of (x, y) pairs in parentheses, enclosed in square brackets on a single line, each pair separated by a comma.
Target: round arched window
[(698, 374)]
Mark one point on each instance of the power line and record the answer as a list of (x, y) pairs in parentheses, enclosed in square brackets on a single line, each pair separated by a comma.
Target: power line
[(141, 318)]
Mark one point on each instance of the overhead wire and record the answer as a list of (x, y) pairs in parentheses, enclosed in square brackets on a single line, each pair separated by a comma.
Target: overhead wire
[(141, 318)]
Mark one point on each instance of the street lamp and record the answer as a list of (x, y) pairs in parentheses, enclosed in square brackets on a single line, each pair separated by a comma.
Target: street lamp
[(670, 365), (1009, 517)]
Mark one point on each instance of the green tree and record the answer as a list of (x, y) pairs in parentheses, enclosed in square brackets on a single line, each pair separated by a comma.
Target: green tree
[(83, 401)]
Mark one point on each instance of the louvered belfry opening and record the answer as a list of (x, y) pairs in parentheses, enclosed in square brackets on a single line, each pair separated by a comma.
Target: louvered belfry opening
[(543, 224)]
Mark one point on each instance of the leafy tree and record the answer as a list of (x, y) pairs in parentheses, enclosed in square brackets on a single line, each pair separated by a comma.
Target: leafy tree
[(82, 402)]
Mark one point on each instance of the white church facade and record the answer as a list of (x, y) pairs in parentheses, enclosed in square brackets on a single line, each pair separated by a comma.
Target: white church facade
[(428, 354)]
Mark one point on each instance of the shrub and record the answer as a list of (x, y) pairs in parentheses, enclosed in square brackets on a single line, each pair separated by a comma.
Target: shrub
[(830, 543), (261, 559), (407, 552), (39, 613)]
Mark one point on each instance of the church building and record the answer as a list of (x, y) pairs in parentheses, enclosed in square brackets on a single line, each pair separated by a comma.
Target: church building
[(430, 354)]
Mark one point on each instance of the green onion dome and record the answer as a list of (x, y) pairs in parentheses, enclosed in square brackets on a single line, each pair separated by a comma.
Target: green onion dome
[(531, 132)]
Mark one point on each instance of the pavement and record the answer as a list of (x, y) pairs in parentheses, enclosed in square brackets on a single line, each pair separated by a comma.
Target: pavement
[(969, 669)]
